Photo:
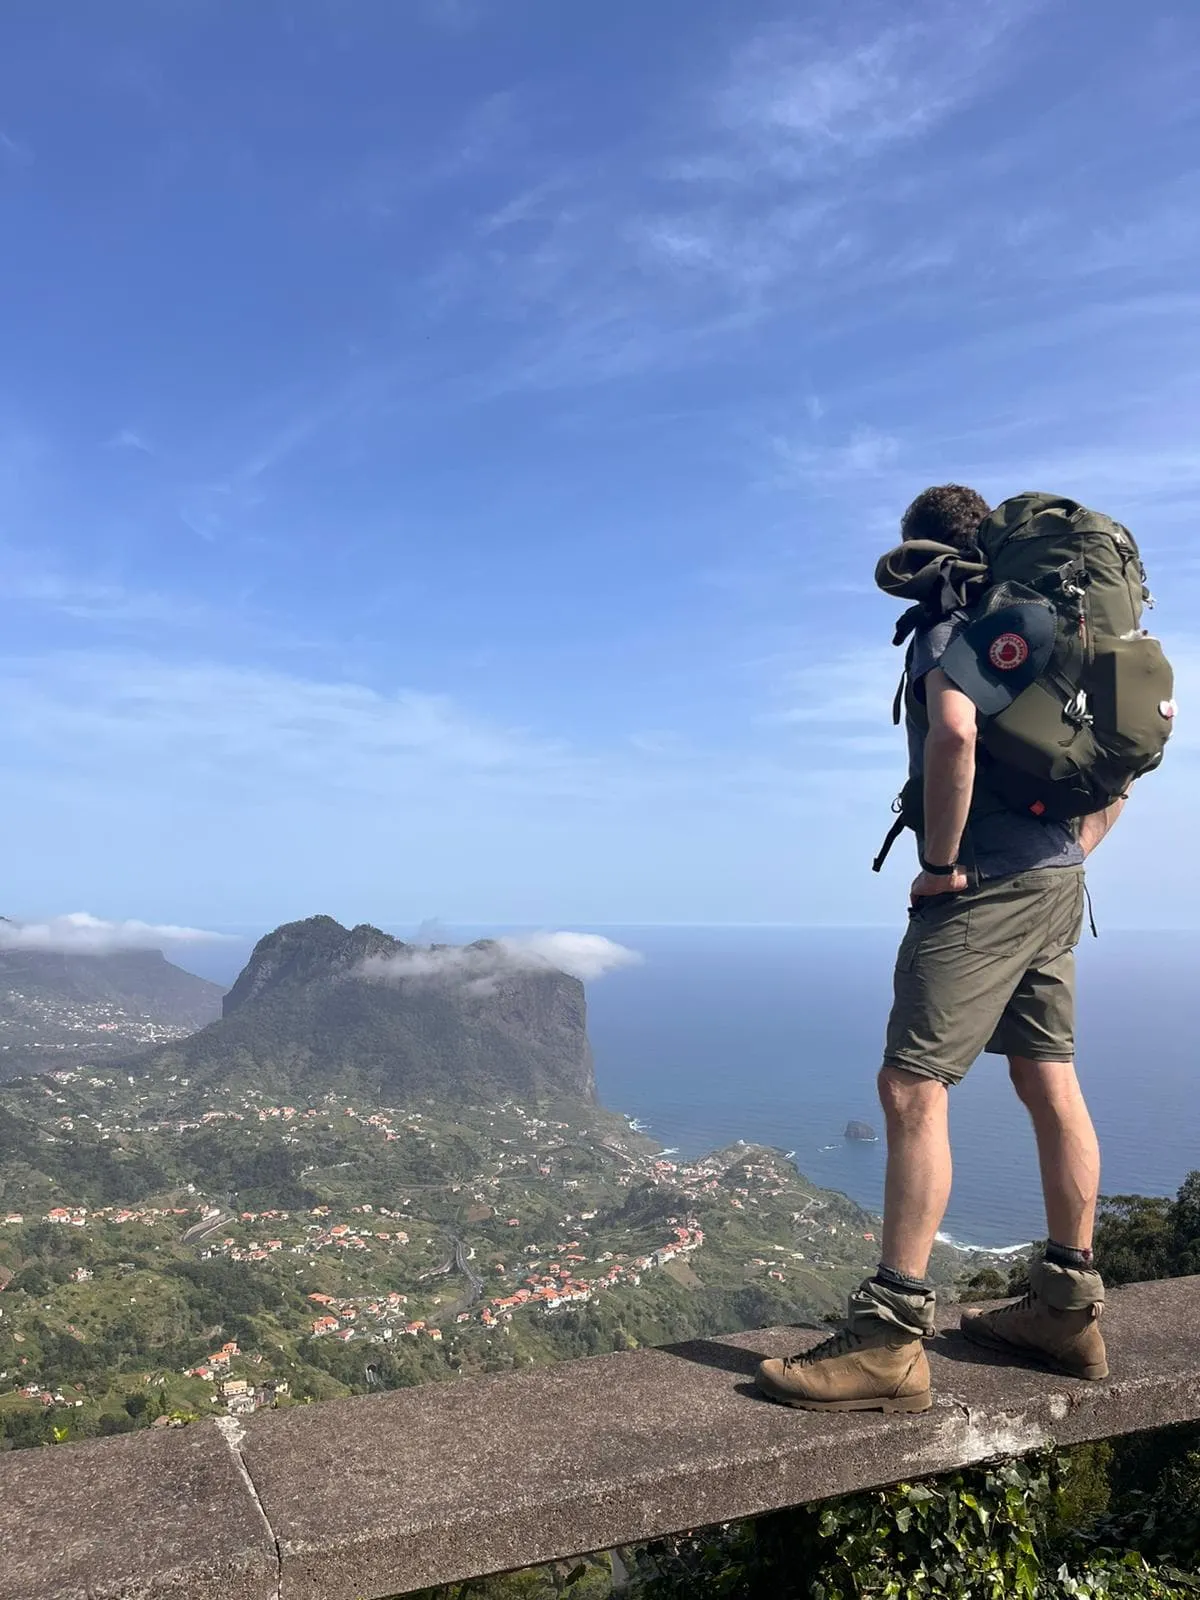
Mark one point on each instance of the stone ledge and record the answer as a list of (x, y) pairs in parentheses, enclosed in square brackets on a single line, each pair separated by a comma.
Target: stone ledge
[(139, 1517), (358, 1499)]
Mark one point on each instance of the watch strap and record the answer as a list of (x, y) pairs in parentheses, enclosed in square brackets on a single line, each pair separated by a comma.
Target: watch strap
[(936, 871)]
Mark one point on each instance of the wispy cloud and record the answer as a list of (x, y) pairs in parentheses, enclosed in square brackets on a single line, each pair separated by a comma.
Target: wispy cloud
[(385, 183), (79, 933), (866, 453), (802, 99), (27, 583), (789, 182), (587, 956), (849, 695), (14, 153), (288, 426), (786, 193), (345, 759), (536, 203), (766, 188), (255, 727), (774, 190), (583, 955), (790, 242), (270, 435), (130, 439), (451, 16), (1128, 479)]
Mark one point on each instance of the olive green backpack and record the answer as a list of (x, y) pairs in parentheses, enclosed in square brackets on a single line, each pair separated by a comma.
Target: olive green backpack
[(1100, 714)]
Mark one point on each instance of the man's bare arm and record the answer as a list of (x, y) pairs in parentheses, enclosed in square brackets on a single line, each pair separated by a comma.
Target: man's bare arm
[(1093, 829), (949, 778), (949, 767)]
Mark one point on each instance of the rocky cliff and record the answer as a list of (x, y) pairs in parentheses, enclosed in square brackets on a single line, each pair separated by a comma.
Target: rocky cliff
[(320, 1007)]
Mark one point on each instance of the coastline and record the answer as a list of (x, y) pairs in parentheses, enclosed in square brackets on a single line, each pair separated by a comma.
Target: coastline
[(639, 1126), (985, 1249)]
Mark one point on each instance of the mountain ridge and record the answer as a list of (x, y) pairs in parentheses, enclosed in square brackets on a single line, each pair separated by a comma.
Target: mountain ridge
[(320, 1007), (58, 1001)]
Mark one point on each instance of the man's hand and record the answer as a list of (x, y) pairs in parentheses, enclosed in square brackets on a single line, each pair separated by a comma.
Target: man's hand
[(927, 883), (1095, 828)]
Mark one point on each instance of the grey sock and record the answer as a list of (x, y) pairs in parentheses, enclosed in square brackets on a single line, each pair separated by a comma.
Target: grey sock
[(1065, 1255), (901, 1282)]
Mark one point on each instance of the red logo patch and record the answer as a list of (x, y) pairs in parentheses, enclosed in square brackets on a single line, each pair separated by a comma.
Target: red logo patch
[(1008, 652)]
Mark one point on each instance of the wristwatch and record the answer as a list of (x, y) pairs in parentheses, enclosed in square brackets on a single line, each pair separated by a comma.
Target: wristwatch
[(938, 872)]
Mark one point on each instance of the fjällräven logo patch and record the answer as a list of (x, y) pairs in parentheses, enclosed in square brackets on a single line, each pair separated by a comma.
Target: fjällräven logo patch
[(1008, 652)]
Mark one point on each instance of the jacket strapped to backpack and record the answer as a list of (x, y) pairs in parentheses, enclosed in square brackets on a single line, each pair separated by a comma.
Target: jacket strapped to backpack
[(939, 579)]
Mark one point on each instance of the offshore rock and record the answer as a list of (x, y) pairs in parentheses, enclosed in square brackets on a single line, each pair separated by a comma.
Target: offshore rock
[(861, 1133)]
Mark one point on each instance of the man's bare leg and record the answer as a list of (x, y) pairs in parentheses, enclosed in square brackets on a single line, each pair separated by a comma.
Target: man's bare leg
[(878, 1362), (917, 1188), (1058, 1320), (1068, 1152)]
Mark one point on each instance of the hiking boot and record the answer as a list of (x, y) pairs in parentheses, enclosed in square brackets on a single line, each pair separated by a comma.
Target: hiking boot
[(877, 1363), (1056, 1322)]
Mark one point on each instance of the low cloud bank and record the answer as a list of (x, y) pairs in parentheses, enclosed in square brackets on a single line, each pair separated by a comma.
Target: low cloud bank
[(582, 955), (79, 933)]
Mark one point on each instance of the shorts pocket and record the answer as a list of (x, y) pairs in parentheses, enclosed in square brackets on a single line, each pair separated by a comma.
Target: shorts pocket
[(1016, 911), (938, 925), (1069, 921)]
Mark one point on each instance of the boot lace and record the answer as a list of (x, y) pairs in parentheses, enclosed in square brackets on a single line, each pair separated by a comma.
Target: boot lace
[(838, 1344)]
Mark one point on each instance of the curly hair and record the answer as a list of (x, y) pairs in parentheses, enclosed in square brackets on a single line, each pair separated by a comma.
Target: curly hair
[(948, 514)]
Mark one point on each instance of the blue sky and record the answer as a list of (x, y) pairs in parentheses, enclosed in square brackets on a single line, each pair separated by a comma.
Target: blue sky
[(445, 444)]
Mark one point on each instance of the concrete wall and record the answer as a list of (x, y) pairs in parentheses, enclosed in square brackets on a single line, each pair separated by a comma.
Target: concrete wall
[(358, 1499)]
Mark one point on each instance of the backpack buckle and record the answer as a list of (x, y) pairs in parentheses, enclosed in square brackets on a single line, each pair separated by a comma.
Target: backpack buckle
[(1074, 577), (1076, 710)]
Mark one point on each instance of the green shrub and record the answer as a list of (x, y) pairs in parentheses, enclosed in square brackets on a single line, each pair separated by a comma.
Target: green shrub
[(989, 1533)]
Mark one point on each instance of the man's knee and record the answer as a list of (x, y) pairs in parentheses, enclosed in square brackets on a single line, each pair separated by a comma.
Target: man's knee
[(1043, 1083), (908, 1097)]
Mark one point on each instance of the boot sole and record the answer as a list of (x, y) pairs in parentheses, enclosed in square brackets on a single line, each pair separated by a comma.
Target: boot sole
[(990, 1341), (911, 1403)]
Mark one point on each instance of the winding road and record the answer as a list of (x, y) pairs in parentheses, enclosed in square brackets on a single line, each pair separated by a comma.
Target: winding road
[(467, 1270)]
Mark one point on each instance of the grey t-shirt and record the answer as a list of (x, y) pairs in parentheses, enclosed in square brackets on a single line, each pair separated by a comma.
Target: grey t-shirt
[(998, 842)]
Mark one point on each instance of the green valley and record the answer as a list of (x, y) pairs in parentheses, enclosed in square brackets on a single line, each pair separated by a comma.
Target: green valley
[(158, 1267)]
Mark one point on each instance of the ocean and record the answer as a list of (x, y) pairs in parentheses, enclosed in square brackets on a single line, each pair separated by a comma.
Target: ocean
[(773, 1035)]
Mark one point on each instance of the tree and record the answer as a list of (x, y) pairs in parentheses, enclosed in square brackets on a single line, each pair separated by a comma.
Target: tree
[(987, 1284), (1141, 1238), (110, 1424), (1183, 1228)]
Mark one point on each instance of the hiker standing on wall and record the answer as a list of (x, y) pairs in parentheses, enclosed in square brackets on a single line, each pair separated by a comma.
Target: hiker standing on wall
[(1032, 700)]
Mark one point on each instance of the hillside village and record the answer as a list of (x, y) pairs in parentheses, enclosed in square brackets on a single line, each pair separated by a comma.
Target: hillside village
[(461, 1235), (58, 1006), (37, 1022)]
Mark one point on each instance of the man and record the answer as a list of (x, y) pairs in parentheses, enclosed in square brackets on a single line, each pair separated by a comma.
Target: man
[(987, 964)]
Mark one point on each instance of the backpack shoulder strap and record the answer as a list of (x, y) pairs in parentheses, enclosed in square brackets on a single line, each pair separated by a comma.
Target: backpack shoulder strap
[(910, 621), (898, 702)]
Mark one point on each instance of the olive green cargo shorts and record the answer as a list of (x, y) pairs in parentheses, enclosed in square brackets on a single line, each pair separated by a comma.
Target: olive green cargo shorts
[(990, 969)]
